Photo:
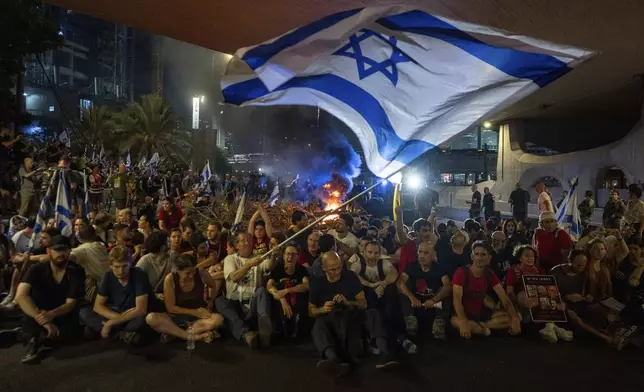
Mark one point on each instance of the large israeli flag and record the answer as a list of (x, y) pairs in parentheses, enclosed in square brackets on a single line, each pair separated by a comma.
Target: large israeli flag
[(402, 79), (568, 216)]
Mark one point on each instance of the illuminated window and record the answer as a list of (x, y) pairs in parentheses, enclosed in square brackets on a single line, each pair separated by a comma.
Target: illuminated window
[(446, 178)]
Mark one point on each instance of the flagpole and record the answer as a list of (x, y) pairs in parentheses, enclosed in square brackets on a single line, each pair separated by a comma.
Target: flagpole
[(327, 213)]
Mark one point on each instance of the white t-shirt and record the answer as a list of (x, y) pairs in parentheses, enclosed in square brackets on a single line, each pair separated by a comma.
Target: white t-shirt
[(21, 242), (93, 257), (543, 197), (244, 288), (350, 240), (371, 272)]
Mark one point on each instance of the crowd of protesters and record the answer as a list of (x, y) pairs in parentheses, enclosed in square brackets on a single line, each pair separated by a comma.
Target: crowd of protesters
[(357, 284)]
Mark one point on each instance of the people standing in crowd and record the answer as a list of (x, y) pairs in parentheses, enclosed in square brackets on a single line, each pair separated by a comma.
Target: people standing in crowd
[(95, 189), (119, 183), (613, 211), (475, 203), (488, 203), (586, 209), (544, 200), (634, 214), (28, 176), (519, 199)]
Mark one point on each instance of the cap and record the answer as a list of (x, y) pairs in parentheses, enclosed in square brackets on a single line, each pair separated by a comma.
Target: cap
[(547, 216), (59, 242)]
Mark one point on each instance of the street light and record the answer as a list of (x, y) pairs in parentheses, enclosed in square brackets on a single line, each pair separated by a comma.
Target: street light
[(487, 125), (202, 99), (414, 181)]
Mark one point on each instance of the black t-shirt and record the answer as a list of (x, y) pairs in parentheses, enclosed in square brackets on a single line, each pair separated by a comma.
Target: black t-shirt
[(282, 280), (488, 202), (520, 199), (500, 263), (121, 298), (322, 290), (476, 201), (424, 284), (621, 286), (46, 293), (453, 261)]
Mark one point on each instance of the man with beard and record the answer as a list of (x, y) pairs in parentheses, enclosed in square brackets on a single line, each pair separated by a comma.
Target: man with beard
[(424, 231), (347, 242), (48, 296), (123, 299)]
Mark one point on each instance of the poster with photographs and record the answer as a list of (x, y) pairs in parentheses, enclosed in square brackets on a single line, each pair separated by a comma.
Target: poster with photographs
[(544, 289)]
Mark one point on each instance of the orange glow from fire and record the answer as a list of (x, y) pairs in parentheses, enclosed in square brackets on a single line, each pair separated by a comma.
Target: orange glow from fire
[(332, 193)]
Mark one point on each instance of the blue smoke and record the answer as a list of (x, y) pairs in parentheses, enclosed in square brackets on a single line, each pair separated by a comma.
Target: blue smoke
[(338, 157)]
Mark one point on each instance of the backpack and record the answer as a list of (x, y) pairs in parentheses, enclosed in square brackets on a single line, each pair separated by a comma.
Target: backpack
[(363, 269)]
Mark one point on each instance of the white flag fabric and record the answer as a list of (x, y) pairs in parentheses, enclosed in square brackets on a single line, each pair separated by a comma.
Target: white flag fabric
[(64, 139), (402, 79), (128, 160), (101, 154), (63, 214), (274, 196), (568, 216), (205, 173), (141, 164), (240, 209)]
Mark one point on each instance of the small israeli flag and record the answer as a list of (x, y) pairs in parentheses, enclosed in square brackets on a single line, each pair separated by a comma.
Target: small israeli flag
[(63, 213), (101, 154), (274, 196), (568, 216), (141, 163), (128, 160), (64, 139), (205, 173), (402, 79)]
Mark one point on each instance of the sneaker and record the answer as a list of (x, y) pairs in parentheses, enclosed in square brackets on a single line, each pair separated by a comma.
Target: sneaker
[(409, 346), (548, 333), (32, 355), (333, 368), (250, 338), (563, 334), (265, 325), (438, 329), (6, 301), (129, 337), (411, 325), (387, 362)]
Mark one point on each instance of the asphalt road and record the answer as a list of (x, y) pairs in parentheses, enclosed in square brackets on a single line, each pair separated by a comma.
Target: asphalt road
[(498, 363)]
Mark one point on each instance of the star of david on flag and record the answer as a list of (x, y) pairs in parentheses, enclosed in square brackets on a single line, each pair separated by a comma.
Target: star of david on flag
[(402, 79)]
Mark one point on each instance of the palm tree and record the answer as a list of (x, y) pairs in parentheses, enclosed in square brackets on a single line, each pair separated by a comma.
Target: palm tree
[(146, 127), (97, 125)]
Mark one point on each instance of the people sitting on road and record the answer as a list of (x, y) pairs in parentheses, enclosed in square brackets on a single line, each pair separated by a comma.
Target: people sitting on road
[(183, 294), (246, 303), (471, 284), (289, 286), (124, 298), (552, 243), (49, 296), (426, 290), (159, 260), (93, 257)]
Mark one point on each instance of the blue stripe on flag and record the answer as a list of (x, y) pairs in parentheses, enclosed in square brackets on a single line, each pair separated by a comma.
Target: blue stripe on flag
[(540, 68), (390, 145), (259, 55), (64, 211)]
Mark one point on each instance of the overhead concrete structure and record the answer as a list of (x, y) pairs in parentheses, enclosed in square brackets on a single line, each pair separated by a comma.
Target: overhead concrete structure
[(613, 28)]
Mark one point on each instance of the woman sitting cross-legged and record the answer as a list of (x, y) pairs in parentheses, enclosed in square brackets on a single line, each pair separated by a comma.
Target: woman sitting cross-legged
[(183, 293)]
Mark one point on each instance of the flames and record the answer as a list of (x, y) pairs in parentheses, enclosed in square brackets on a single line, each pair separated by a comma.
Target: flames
[(332, 193)]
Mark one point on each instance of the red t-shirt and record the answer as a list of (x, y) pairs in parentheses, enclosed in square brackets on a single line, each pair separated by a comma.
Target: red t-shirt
[(261, 246), (306, 258), (407, 255), (477, 288), (171, 220), (550, 247)]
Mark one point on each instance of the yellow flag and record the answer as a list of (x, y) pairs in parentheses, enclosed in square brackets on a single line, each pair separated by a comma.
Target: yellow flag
[(397, 201)]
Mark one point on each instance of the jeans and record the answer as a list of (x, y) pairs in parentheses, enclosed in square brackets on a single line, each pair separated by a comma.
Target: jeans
[(68, 326), (298, 324), (95, 322), (233, 313), (340, 331), (389, 307)]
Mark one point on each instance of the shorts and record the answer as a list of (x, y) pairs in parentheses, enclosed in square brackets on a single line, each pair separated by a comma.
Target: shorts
[(484, 315), (120, 203), (182, 320)]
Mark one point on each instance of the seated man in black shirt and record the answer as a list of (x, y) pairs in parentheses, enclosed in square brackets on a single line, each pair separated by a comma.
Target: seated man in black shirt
[(337, 303), (48, 296), (289, 286), (424, 285), (122, 301)]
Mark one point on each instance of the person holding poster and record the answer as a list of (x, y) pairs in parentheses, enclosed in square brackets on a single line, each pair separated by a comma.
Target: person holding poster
[(530, 297)]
